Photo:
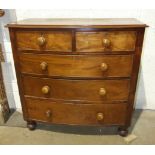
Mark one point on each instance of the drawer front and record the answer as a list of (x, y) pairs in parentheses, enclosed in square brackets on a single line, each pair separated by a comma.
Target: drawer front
[(82, 114), (105, 41), (77, 66), (91, 90), (48, 40)]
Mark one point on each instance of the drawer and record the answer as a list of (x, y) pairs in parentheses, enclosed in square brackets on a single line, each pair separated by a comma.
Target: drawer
[(91, 90), (105, 41), (80, 114), (77, 65), (47, 40)]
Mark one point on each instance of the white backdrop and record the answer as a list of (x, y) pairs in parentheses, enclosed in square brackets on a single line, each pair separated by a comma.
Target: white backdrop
[(145, 91)]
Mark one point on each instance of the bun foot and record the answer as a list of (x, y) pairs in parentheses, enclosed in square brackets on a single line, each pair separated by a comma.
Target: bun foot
[(31, 125), (122, 131)]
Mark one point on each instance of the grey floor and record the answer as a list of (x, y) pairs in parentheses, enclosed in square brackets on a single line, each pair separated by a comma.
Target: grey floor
[(15, 132)]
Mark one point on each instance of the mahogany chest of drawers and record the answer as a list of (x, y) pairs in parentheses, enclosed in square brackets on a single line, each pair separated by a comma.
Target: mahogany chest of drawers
[(77, 71)]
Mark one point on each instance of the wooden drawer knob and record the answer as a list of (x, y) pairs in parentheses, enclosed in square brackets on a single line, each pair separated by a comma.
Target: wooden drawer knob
[(104, 66), (43, 66), (45, 89), (102, 92), (100, 116), (106, 43), (41, 41), (48, 113)]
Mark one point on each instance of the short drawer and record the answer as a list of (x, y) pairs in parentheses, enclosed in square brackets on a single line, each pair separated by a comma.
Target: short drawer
[(77, 65), (46, 41), (91, 90), (105, 41), (80, 114)]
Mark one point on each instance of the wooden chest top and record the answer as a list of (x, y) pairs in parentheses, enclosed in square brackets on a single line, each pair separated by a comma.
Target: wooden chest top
[(78, 22)]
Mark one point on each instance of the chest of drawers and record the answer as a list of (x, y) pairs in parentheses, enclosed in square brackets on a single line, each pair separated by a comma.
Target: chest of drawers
[(77, 71)]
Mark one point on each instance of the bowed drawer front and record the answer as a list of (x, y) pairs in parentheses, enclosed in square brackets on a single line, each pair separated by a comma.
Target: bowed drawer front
[(77, 71), (77, 89), (90, 66), (81, 114)]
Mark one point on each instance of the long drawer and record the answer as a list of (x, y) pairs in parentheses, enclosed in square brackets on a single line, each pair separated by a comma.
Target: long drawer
[(81, 114), (77, 65), (91, 90)]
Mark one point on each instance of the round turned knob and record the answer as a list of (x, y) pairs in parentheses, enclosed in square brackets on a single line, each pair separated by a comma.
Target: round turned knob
[(48, 113), (104, 66), (45, 89), (43, 66), (102, 92), (106, 42), (41, 41), (100, 116)]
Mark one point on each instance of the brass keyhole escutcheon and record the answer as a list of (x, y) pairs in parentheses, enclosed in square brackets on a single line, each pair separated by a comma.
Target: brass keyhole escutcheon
[(48, 113), (43, 66)]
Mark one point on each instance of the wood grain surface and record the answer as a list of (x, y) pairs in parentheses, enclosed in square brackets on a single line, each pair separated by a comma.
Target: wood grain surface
[(77, 89), (81, 114), (78, 23), (93, 41), (69, 61), (77, 65), (54, 40)]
